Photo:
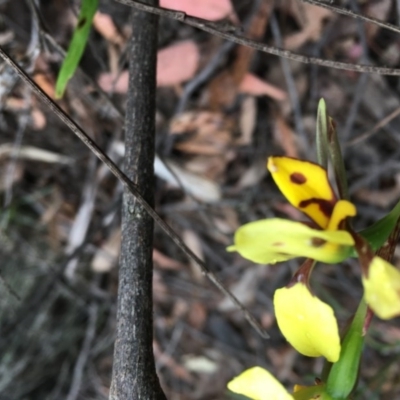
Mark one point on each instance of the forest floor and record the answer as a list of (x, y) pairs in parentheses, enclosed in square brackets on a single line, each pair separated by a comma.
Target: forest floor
[(222, 109)]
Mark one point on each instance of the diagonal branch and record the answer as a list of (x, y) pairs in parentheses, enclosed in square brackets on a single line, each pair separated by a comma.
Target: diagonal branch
[(349, 13), (219, 30), (91, 144)]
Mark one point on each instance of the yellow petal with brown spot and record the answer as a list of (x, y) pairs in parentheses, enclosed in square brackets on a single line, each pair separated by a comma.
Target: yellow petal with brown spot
[(273, 240), (306, 186)]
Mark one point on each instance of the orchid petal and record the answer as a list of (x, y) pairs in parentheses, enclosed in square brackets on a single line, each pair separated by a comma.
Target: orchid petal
[(306, 186), (342, 210), (382, 288), (269, 241), (258, 384), (307, 323)]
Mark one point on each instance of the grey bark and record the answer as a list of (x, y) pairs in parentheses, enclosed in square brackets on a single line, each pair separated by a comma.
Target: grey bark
[(134, 376)]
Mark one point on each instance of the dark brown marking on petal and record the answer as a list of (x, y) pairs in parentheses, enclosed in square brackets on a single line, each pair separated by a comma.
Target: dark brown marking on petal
[(326, 206), (298, 178), (278, 244), (281, 253), (317, 242)]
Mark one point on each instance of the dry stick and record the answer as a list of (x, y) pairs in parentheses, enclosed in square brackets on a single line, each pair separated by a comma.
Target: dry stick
[(290, 83), (132, 188), (216, 29), (134, 373), (361, 82), (374, 129), (352, 14), (84, 353)]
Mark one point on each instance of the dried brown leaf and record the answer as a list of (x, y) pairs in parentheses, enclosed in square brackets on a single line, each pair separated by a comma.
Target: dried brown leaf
[(312, 26), (208, 132), (46, 83), (197, 315), (38, 119), (379, 10), (104, 24), (252, 84), (247, 120), (224, 88), (177, 63), (164, 359), (208, 9), (106, 257), (192, 240), (285, 136), (164, 262)]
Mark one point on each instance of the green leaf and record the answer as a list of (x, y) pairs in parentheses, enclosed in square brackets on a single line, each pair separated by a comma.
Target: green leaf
[(335, 153), (77, 45), (322, 134), (343, 374), (328, 144), (378, 233)]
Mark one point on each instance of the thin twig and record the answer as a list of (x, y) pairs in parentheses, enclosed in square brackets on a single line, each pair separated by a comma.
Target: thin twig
[(84, 353), (290, 83), (8, 287), (352, 14), (314, 70), (374, 129), (362, 81), (132, 188), (203, 76), (217, 30), (12, 165)]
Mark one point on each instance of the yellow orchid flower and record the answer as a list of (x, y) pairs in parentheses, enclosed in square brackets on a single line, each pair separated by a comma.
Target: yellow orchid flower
[(382, 288), (258, 384), (307, 323), (306, 186)]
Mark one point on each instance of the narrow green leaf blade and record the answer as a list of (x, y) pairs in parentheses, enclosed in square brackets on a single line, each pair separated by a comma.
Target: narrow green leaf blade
[(322, 134), (77, 45), (335, 153), (343, 374), (378, 233)]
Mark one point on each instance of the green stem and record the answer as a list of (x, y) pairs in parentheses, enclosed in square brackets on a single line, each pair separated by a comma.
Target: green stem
[(344, 373)]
